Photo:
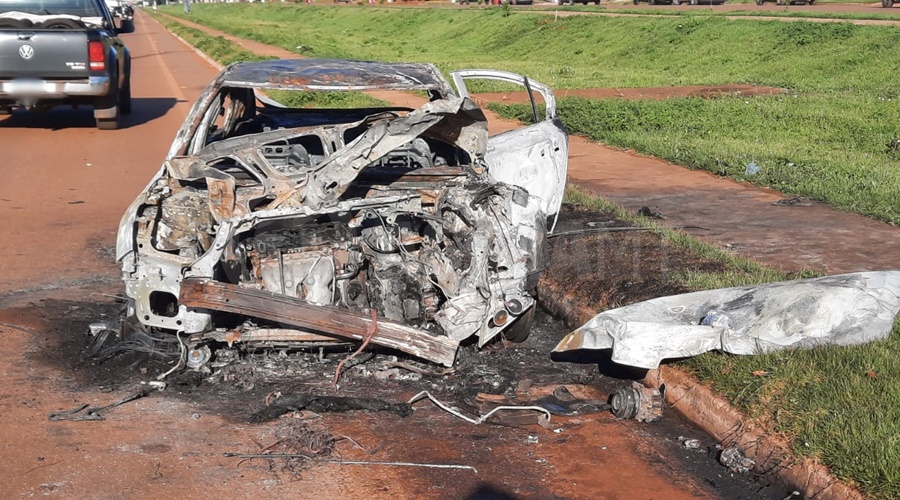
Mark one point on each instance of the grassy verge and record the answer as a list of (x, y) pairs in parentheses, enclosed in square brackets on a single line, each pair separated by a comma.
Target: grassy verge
[(580, 51), (843, 159), (839, 405)]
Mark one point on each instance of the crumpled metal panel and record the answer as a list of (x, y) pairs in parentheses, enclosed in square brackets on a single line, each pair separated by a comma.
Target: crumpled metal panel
[(845, 309), (334, 74), (458, 119)]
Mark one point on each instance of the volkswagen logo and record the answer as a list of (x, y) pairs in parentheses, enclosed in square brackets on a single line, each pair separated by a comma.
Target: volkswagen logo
[(26, 51)]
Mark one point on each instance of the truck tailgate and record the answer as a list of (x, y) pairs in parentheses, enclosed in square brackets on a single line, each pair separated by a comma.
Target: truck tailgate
[(45, 54)]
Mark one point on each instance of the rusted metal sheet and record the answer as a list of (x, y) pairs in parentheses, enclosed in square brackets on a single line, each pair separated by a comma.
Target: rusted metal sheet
[(209, 294)]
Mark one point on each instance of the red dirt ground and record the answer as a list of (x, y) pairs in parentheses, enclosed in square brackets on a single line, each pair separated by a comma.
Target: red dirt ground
[(655, 93)]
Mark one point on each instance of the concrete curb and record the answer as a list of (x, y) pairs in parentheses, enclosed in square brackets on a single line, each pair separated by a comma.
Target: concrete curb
[(716, 416)]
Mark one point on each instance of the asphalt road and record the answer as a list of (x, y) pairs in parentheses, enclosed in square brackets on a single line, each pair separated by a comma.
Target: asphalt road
[(65, 185)]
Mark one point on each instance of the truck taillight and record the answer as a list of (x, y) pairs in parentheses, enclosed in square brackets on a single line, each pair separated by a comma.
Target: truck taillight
[(96, 58)]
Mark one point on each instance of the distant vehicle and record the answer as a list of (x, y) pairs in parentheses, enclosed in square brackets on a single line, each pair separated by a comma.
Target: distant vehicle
[(120, 9), (500, 2), (793, 2), (56, 52), (679, 2), (573, 2)]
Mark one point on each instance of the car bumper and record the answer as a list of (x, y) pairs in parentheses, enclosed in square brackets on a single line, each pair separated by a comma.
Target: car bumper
[(95, 86)]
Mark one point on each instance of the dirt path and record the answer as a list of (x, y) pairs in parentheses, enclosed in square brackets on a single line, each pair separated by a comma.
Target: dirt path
[(655, 93), (737, 216)]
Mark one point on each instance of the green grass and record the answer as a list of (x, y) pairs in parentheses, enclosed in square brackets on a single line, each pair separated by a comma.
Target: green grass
[(839, 405), (832, 148), (343, 100), (581, 51)]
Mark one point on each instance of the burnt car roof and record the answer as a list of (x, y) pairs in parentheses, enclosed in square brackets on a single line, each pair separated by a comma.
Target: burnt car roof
[(335, 74)]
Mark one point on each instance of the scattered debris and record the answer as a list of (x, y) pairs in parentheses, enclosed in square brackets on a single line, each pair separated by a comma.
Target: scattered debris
[(373, 328), (796, 201), (648, 212), (752, 169), (483, 418), (736, 462), (690, 443), (532, 440), (558, 399), (94, 412), (846, 309), (296, 445), (352, 462), (320, 404), (644, 404)]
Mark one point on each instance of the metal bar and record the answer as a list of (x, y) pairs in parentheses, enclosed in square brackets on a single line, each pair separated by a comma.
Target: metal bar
[(210, 294)]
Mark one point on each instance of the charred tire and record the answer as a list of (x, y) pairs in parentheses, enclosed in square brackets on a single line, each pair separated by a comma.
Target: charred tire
[(106, 110), (61, 24), (7, 23), (521, 327)]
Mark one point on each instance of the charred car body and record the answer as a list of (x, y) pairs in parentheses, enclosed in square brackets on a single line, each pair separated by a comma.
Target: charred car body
[(275, 226)]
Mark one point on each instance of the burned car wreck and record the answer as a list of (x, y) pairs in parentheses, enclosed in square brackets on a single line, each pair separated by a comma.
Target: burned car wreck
[(277, 226)]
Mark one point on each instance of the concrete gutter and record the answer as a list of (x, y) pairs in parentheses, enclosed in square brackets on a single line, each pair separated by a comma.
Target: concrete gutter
[(715, 416)]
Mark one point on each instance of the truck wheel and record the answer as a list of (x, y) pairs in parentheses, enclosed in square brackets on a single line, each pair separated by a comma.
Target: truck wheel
[(694, 2), (887, 3), (106, 110), (636, 1), (125, 98), (521, 327), (676, 2), (760, 2)]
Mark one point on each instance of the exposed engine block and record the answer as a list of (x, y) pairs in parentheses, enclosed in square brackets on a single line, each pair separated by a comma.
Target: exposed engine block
[(365, 262)]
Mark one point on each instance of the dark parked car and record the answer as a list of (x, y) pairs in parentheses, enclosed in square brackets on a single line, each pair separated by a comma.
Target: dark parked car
[(56, 52)]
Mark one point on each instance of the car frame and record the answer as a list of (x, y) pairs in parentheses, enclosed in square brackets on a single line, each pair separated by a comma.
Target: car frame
[(274, 226)]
